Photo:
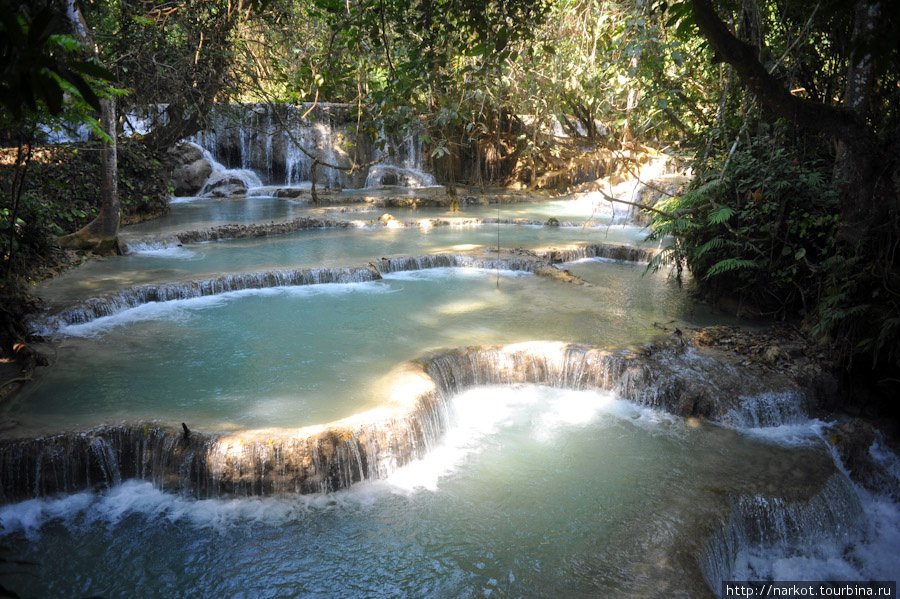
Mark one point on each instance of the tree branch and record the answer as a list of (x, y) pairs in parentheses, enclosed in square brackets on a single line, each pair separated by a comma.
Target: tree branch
[(837, 121)]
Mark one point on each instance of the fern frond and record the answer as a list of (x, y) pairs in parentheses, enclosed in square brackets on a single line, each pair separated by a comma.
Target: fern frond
[(717, 217), (728, 265), (713, 244)]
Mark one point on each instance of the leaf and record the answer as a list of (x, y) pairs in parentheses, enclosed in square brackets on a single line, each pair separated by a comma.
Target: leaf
[(713, 244), (728, 265), (476, 50), (83, 88), (721, 215), (94, 70), (50, 91)]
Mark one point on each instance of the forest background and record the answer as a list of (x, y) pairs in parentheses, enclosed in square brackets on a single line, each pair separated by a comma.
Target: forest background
[(787, 112)]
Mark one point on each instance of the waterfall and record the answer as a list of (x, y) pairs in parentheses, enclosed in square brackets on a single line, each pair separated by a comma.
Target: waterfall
[(805, 509), (226, 182), (312, 460), (334, 456), (112, 303), (769, 409), (608, 251), (387, 174), (406, 168), (316, 139), (280, 148), (781, 526), (832, 513), (408, 263)]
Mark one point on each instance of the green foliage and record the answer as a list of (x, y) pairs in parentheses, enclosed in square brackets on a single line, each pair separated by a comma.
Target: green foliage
[(776, 228), (762, 230), (41, 64), (180, 57), (62, 194)]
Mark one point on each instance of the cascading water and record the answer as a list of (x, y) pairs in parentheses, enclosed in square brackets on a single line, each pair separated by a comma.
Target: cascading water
[(405, 169), (317, 459), (511, 499), (227, 182), (283, 148), (317, 140), (486, 470)]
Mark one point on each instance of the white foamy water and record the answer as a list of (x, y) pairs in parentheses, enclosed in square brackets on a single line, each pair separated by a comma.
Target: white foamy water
[(867, 554), (541, 491), (870, 555), (164, 250), (180, 310), (548, 413)]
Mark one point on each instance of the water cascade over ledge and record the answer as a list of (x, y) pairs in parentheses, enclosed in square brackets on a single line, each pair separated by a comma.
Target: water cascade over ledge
[(517, 260), (798, 494), (372, 444)]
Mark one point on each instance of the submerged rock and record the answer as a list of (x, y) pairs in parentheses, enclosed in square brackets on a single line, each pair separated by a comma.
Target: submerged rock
[(781, 349), (561, 274), (670, 376)]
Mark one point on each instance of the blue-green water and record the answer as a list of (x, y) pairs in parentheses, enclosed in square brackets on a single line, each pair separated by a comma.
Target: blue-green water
[(533, 492), (307, 355), (308, 248)]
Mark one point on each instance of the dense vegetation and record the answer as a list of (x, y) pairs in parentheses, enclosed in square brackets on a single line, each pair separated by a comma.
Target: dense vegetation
[(786, 111)]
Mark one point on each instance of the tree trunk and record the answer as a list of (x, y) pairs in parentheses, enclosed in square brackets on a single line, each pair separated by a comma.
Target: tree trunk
[(101, 234), (854, 165), (867, 202)]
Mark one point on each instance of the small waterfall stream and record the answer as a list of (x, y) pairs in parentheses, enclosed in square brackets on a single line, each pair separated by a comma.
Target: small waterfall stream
[(283, 148), (717, 492), (110, 304), (227, 182), (779, 507), (335, 456)]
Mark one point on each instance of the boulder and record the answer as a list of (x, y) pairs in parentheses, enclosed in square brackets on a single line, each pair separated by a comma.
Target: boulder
[(224, 186), (852, 441), (190, 169), (188, 179)]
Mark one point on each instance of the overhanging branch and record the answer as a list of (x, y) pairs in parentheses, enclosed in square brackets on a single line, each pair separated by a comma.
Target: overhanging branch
[(837, 121)]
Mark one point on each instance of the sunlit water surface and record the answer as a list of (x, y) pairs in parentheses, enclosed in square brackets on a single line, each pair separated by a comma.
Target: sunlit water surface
[(310, 248), (305, 355), (534, 492), (188, 213)]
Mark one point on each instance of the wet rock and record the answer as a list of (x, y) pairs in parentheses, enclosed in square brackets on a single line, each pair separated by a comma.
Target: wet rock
[(239, 231), (686, 404), (560, 274), (226, 186), (853, 441), (289, 192), (190, 169), (781, 349)]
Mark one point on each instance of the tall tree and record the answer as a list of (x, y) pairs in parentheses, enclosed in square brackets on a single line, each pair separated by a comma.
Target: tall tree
[(800, 212), (101, 234), (868, 161)]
